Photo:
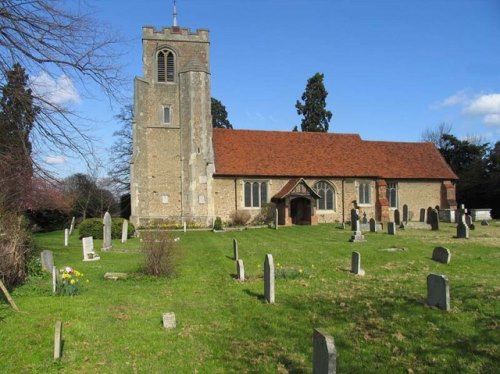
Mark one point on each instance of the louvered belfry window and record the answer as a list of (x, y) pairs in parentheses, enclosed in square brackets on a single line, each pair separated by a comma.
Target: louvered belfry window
[(166, 66)]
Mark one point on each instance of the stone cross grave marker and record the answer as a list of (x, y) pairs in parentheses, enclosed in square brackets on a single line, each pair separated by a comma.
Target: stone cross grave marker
[(66, 237), (124, 231), (269, 279), (434, 219), (240, 270), (373, 225), (324, 353), (462, 229), (438, 291), (58, 341), (88, 249), (72, 226), (397, 217), (441, 254), (169, 320), (47, 259), (422, 215), (391, 228), (406, 214), (106, 232), (357, 235), (235, 250), (356, 264)]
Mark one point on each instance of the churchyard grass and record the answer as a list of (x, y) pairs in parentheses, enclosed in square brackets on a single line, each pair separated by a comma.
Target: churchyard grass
[(379, 321)]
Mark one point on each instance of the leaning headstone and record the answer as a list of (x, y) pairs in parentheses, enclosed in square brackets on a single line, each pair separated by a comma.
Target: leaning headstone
[(422, 215), (124, 231), (434, 219), (406, 214), (356, 264), (169, 320), (106, 232), (66, 237), (54, 280), (397, 218), (240, 270), (438, 291), (58, 341), (441, 254), (324, 353), (88, 249), (462, 229), (235, 250), (269, 279), (391, 228), (373, 225), (72, 226), (47, 260)]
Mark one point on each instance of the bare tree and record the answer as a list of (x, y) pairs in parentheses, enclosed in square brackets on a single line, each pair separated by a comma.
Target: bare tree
[(47, 38), (121, 151), (435, 135)]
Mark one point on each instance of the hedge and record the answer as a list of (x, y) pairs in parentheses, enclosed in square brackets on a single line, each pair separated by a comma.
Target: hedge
[(93, 227)]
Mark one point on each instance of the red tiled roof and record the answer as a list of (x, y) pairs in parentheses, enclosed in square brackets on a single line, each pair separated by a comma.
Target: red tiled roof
[(311, 154)]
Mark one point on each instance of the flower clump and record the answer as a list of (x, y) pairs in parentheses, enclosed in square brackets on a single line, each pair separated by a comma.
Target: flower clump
[(289, 272), (68, 284)]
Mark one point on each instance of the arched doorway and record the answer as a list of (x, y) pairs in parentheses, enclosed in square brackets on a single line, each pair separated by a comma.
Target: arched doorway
[(300, 211)]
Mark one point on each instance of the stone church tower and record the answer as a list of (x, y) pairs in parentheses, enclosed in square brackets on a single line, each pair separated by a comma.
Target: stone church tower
[(173, 163)]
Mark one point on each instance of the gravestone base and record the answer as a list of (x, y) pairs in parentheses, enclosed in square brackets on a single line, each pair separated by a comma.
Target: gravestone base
[(357, 237)]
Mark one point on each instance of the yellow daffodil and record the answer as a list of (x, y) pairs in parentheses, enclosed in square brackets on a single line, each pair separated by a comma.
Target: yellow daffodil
[(72, 281)]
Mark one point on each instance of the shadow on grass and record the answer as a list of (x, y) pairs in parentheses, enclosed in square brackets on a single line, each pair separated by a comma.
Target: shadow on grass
[(258, 296), (291, 366)]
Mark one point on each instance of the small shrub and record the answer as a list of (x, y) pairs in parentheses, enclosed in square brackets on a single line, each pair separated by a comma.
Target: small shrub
[(161, 253), (267, 215), (240, 218), (93, 227), (34, 267), (218, 224)]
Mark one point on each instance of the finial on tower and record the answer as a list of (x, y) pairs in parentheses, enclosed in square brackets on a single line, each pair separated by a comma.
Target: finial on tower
[(175, 15)]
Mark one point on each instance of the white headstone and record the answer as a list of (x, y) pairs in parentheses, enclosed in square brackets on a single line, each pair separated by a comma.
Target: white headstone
[(54, 279), (58, 341), (47, 260), (88, 249), (240, 270), (169, 320), (66, 237), (124, 231), (106, 232), (269, 279)]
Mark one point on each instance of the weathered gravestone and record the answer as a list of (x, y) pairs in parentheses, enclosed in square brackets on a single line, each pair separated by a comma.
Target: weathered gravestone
[(269, 279), (169, 320), (115, 276), (434, 219), (406, 214), (47, 260), (429, 212), (462, 229), (276, 219), (422, 215), (72, 226), (373, 225), (240, 270), (358, 236), (235, 250), (364, 220), (391, 228), (66, 237), (441, 254), (356, 264), (58, 341), (397, 218), (88, 249), (468, 220), (324, 353), (438, 291), (124, 231), (354, 219), (54, 280), (106, 232)]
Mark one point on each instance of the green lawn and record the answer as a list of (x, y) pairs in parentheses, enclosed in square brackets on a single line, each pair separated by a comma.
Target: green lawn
[(380, 322)]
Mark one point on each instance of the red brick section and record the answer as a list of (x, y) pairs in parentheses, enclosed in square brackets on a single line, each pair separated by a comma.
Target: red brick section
[(449, 191), (306, 154), (382, 204)]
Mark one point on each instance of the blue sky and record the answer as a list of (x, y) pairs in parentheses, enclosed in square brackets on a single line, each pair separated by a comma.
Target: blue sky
[(392, 68)]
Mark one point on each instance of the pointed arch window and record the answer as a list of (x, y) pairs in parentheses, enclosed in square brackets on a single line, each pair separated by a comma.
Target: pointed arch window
[(327, 196), (165, 64)]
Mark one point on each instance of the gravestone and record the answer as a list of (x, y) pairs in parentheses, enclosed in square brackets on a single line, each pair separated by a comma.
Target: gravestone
[(358, 236), (106, 232), (428, 219), (324, 353), (58, 341), (72, 226), (115, 276), (441, 254), (434, 219), (373, 225), (47, 260), (354, 219), (391, 228), (88, 249), (269, 279), (66, 237), (240, 270), (422, 215), (276, 219), (356, 264), (438, 291), (124, 231), (235, 250), (365, 221), (462, 229), (397, 218), (406, 214), (54, 280), (484, 223), (169, 320), (461, 211), (468, 220), (184, 227)]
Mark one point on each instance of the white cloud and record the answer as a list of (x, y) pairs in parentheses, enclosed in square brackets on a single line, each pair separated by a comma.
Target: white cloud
[(456, 99), (57, 91), (52, 160), (484, 104), (492, 119)]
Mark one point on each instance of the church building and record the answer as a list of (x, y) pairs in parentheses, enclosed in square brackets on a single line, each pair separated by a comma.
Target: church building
[(183, 170)]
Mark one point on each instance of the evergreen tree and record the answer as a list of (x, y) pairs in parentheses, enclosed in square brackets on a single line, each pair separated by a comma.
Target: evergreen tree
[(219, 115), (313, 106)]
